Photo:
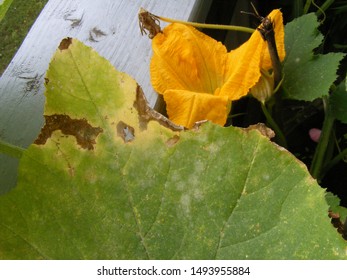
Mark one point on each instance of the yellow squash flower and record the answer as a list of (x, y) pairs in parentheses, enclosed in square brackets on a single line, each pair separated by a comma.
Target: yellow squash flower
[(199, 78)]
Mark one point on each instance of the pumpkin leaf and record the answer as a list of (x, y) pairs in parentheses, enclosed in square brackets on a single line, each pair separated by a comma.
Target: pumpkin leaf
[(334, 203), (338, 101), (107, 178), (307, 76)]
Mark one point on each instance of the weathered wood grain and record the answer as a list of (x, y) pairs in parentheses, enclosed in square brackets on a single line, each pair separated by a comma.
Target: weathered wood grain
[(109, 26)]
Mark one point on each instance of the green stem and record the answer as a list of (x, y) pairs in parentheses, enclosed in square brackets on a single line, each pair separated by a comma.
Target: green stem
[(334, 161), (281, 140), (319, 155), (324, 7), (298, 8), (11, 150), (307, 6), (210, 26)]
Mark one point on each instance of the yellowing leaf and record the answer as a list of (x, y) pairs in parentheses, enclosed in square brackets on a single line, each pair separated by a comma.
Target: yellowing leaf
[(142, 191), (186, 61)]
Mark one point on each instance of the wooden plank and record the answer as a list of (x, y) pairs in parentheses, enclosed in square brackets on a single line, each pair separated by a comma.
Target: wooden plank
[(109, 26)]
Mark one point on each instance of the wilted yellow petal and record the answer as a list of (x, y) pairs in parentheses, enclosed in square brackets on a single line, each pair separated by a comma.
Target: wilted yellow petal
[(184, 58), (246, 61), (244, 67), (187, 107)]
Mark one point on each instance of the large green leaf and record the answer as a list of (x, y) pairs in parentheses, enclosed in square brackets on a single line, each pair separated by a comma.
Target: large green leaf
[(307, 76), (338, 101), (106, 180)]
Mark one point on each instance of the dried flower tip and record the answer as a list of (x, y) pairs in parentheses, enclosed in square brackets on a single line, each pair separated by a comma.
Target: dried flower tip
[(149, 22)]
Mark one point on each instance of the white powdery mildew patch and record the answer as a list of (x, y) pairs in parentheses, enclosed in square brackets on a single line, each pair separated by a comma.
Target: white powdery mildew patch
[(266, 177), (198, 194), (199, 167), (185, 203)]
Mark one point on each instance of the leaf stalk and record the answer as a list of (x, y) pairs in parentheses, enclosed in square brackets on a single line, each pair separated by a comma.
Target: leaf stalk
[(319, 155), (281, 140), (11, 150), (207, 25)]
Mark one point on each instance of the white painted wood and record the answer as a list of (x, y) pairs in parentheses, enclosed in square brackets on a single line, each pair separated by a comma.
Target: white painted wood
[(109, 26)]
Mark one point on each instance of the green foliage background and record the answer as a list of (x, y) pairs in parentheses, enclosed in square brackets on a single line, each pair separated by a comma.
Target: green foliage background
[(14, 26)]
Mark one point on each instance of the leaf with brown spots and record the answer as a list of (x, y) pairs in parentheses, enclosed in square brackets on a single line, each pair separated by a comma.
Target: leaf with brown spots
[(110, 178), (84, 133)]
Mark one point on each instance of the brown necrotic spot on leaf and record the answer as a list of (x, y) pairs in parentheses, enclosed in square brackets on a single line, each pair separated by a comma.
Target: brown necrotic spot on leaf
[(126, 132), (172, 141), (65, 43), (336, 222), (84, 133), (147, 114), (262, 128)]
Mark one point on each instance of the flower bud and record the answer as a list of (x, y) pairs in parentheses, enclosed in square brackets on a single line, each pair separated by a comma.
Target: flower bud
[(264, 88)]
